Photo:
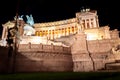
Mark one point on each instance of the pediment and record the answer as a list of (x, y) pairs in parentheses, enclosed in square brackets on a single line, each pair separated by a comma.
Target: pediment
[(87, 14)]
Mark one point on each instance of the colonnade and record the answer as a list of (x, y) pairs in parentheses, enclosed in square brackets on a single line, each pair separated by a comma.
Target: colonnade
[(89, 23), (4, 32), (56, 33)]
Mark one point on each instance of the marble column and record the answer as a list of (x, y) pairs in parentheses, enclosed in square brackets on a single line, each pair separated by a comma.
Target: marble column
[(85, 24), (3, 32), (90, 23)]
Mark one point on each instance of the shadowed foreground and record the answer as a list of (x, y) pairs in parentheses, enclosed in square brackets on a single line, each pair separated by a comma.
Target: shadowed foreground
[(62, 76)]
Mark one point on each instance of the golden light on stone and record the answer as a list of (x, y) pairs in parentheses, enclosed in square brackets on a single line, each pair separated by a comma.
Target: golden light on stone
[(77, 44)]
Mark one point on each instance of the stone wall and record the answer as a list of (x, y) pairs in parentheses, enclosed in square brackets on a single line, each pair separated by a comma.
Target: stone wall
[(38, 57), (81, 57), (99, 46), (114, 34), (101, 52), (92, 55), (3, 59), (86, 56)]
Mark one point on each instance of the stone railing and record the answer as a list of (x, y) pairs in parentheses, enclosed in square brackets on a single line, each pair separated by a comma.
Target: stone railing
[(45, 48)]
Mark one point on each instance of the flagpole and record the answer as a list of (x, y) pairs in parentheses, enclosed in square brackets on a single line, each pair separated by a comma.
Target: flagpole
[(15, 39)]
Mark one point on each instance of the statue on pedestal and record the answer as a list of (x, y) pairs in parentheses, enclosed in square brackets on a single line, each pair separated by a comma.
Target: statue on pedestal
[(28, 28)]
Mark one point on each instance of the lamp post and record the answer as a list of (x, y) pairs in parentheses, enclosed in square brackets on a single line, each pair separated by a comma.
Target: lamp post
[(15, 43), (15, 39)]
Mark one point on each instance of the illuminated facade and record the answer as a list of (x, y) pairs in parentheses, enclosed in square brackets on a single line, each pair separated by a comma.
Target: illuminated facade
[(76, 44), (86, 21)]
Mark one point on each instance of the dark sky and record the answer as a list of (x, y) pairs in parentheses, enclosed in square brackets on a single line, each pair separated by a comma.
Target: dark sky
[(52, 10)]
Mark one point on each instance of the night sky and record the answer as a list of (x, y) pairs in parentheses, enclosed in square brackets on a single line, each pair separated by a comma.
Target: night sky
[(52, 10)]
